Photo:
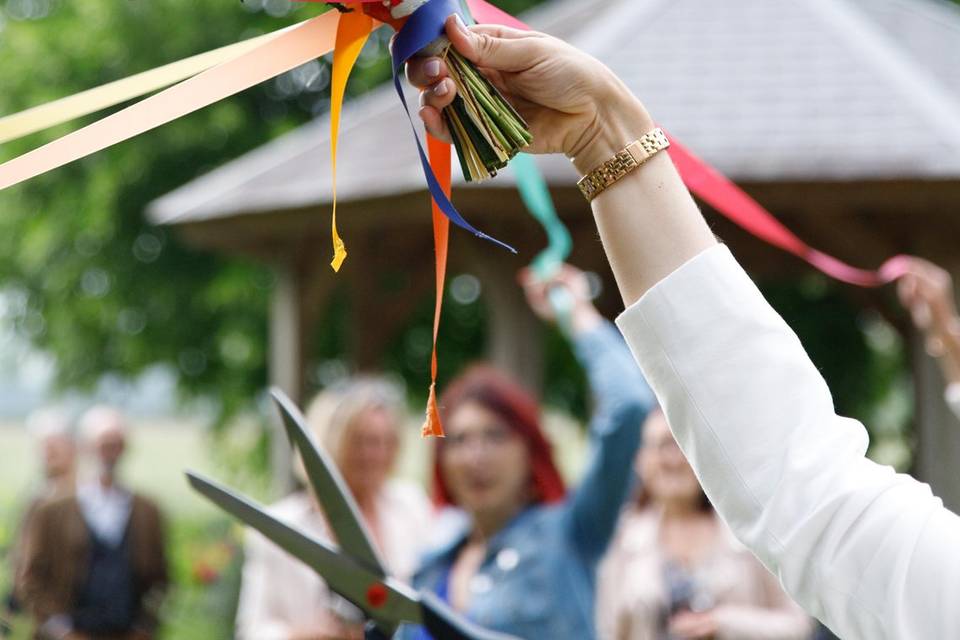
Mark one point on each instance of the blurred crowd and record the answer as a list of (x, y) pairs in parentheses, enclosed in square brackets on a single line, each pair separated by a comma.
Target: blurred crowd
[(634, 551), (89, 559)]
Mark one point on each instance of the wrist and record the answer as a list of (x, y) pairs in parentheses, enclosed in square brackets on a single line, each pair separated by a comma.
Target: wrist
[(584, 318), (620, 119)]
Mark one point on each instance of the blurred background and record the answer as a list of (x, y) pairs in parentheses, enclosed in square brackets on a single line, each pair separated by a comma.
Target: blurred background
[(178, 274)]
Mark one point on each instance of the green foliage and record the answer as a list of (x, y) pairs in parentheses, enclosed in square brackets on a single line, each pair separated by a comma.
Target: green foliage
[(93, 283), (90, 281), (205, 562)]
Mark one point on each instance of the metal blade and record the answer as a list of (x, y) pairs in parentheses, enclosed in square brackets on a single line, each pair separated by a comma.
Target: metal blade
[(330, 488), (396, 602)]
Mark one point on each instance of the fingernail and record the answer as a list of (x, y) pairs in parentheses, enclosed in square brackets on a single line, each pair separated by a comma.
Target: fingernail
[(441, 89), (460, 25), (432, 68)]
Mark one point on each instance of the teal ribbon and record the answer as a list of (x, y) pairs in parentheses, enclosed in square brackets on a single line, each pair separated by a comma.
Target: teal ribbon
[(536, 197)]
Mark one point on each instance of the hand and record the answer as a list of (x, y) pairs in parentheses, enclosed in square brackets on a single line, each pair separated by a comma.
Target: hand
[(563, 94), (584, 315), (690, 625), (926, 291)]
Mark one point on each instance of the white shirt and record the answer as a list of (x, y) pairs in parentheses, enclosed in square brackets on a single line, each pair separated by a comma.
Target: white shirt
[(280, 594), (870, 552), (105, 510)]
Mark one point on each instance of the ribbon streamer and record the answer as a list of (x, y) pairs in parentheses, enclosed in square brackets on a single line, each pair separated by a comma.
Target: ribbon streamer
[(734, 204), (424, 26), (536, 197), (353, 31), (440, 164), (287, 49), (113, 93)]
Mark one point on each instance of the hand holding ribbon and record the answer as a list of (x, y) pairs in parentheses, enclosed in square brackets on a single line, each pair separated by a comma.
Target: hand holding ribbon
[(561, 93)]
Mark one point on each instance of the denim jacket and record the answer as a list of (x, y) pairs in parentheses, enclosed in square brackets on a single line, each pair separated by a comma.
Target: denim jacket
[(537, 579)]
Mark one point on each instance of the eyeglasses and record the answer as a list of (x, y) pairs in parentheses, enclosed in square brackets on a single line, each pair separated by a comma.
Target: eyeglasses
[(491, 437)]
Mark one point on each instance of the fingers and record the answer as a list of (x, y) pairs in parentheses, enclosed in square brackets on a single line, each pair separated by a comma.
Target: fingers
[(425, 72), (435, 123), (432, 102), (500, 48)]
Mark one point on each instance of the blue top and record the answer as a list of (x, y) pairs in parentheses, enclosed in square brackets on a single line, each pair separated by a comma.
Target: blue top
[(538, 577)]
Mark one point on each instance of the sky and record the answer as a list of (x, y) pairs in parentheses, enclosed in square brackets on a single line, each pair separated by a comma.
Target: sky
[(26, 384)]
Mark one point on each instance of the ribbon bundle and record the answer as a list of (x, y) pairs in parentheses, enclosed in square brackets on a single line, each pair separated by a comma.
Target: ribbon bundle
[(207, 78)]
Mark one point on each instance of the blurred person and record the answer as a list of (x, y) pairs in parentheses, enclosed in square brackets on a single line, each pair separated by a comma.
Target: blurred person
[(94, 564), (526, 563), (359, 424), (926, 291), (674, 570), (52, 432)]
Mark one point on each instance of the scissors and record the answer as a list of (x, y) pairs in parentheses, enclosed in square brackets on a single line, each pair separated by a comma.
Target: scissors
[(353, 569)]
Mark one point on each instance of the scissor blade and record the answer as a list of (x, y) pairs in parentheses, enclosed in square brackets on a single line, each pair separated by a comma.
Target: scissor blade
[(330, 488), (349, 579)]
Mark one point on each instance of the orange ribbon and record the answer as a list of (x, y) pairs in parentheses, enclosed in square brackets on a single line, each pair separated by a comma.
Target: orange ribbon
[(439, 153), (352, 33)]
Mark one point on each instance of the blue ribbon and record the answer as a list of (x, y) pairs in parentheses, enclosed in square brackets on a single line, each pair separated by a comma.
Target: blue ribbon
[(425, 25)]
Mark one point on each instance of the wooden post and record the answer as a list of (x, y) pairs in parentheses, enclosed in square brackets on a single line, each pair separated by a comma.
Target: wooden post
[(516, 335), (285, 365)]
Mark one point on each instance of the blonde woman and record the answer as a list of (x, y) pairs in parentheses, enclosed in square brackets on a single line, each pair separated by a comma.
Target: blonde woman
[(280, 598)]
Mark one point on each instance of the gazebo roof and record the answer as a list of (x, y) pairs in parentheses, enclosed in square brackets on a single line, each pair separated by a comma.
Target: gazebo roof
[(766, 91)]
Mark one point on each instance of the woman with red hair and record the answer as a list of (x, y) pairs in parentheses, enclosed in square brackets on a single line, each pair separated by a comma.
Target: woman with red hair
[(526, 563)]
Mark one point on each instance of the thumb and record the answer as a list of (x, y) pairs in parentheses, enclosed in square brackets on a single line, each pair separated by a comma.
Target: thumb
[(493, 46)]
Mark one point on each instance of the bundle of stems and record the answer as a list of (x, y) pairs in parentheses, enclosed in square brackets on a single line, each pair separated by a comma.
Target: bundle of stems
[(486, 130)]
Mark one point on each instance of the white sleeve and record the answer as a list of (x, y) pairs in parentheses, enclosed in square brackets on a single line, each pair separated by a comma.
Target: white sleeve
[(871, 553)]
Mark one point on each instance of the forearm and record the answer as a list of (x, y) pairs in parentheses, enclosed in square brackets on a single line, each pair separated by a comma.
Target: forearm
[(613, 375), (648, 221), (622, 400)]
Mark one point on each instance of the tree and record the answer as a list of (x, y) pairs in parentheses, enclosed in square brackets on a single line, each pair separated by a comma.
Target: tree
[(91, 282)]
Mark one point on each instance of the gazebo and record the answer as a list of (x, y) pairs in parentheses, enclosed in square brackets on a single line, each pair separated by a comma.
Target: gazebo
[(841, 116)]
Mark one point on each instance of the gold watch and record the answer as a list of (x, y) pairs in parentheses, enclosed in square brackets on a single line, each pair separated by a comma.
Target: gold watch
[(628, 159)]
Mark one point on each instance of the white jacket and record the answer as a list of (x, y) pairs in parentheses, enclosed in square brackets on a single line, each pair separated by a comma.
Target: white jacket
[(871, 553)]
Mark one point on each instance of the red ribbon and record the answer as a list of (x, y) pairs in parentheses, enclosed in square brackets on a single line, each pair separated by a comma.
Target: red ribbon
[(732, 202)]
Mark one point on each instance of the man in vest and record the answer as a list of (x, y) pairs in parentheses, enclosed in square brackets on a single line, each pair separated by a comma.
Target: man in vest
[(95, 563)]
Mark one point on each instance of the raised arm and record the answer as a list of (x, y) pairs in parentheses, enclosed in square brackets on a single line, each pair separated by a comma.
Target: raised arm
[(621, 401), (927, 293), (871, 553)]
